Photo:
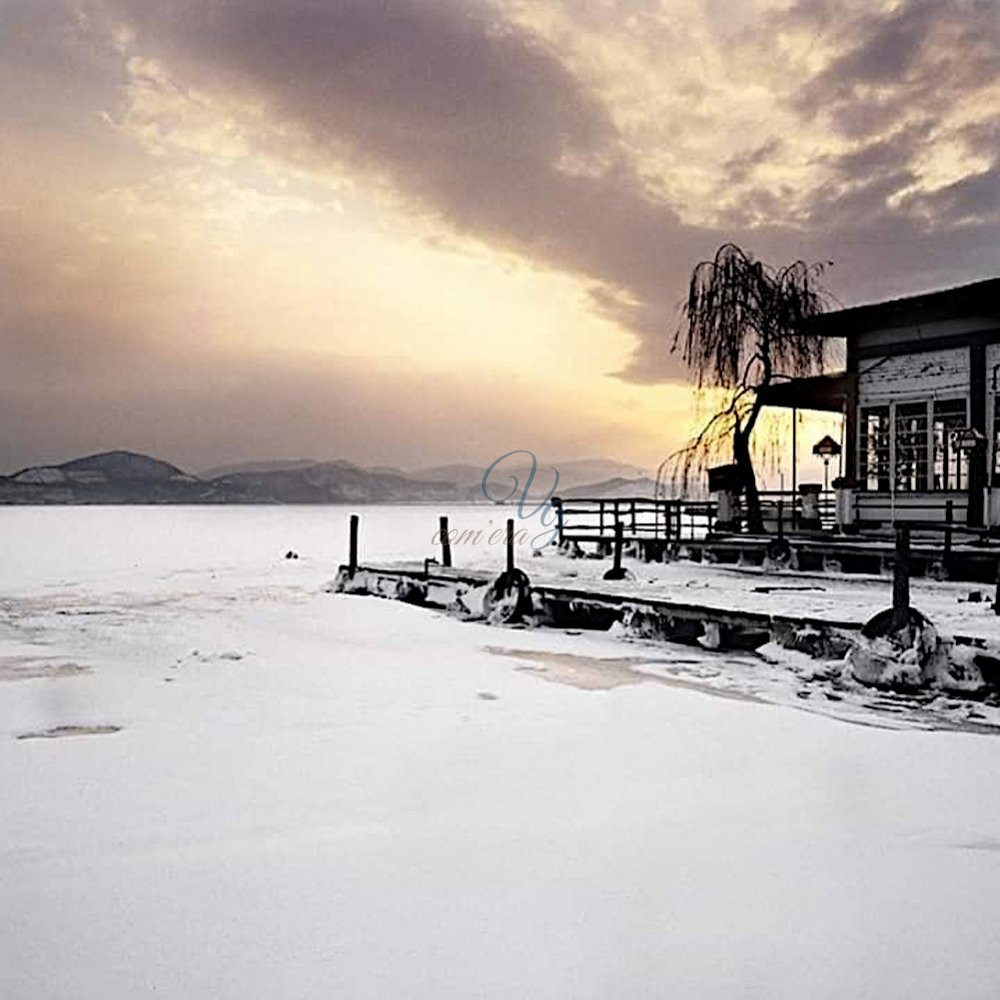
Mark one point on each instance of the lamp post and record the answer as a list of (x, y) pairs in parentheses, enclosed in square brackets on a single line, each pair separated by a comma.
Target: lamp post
[(969, 439), (972, 443), (826, 448)]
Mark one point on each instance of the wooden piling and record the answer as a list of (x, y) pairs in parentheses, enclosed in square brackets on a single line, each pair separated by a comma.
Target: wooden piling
[(901, 578), (352, 558), (510, 545), (616, 572), (445, 542), (949, 518)]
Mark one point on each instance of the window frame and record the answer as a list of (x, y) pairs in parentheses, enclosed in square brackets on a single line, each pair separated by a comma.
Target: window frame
[(926, 476), (865, 475), (961, 484)]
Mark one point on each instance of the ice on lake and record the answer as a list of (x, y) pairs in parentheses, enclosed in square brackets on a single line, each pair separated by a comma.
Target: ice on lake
[(251, 787)]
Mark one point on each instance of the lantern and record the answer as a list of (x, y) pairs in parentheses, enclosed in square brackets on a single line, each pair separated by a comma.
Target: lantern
[(826, 448)]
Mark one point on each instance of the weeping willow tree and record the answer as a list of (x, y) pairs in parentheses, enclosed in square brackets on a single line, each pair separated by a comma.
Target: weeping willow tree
[(745, 327)]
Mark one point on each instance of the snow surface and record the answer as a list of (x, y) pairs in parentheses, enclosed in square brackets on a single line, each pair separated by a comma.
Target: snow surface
[(312, 795)]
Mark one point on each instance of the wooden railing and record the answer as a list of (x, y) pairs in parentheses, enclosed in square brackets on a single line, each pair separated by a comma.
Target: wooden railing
[(663, 522), (643, 519), (941, 517), (887, 508), (783, 509)]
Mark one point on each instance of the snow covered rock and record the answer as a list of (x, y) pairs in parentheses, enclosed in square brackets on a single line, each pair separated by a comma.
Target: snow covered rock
[(470, 604), (779, 555), (824, 643), (637, 623), (960, 674), (913, 657), (508, 598)]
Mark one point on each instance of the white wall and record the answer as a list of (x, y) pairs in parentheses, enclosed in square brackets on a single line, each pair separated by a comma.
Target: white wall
[(929, 375)]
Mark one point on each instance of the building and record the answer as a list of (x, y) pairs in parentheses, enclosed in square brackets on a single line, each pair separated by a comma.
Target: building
[(921, 402)]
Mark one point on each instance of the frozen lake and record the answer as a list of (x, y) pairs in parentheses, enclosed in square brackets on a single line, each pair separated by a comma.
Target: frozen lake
[(273, 791)]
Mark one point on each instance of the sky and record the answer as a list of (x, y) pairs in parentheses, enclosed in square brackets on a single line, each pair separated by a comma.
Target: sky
[(408, 232)]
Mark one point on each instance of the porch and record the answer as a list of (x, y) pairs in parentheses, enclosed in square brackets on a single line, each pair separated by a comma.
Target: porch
[(657, 530), (912, 459)]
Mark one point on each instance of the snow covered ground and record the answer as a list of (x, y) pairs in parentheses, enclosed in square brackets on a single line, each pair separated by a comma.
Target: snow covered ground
[(274, 791)]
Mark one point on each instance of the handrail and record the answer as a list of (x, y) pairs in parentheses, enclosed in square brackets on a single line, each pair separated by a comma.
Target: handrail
[(667, 521)]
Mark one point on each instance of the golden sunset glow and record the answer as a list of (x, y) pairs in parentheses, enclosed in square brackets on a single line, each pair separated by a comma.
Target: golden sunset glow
[(436, 231)]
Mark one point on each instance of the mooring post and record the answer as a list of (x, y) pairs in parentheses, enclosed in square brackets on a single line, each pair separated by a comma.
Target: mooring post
[(352, 558), (781, 519), (510, 545), (949, 517), (618, 546), (445, 542), (901, 578), (557, 503)]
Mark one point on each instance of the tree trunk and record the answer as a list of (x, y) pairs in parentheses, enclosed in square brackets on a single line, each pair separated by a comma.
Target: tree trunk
[(741, 456)]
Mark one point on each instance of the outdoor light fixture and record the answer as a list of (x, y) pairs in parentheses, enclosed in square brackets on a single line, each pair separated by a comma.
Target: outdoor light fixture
[(969, 439), (826, 448)]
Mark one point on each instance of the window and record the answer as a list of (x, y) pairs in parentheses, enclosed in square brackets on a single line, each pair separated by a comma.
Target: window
[(951, 464), (875, 447), (911, 446)]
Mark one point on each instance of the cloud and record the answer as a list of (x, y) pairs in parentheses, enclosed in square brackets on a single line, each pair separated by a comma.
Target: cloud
[(971, 201), (617, 142), (469, 121), (903, 60), (480, 120)]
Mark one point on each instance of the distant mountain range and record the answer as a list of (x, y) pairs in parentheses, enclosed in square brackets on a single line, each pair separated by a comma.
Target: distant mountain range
[(127, 477)]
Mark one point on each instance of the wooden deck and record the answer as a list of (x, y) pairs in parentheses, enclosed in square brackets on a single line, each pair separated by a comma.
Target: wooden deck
[(560, 606), (655, 530)]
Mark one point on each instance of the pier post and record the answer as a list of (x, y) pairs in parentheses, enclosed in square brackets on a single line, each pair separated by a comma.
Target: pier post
[(616, 572), (996, 597), (352, 558), (510, 545), (901, 578), (949, 517), (445, 542)]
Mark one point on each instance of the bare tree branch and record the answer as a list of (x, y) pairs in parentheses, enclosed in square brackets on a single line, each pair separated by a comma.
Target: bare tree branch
[(745, 325)]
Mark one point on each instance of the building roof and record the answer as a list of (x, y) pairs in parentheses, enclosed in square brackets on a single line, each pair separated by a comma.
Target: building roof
[(981, 298), (815, 392)]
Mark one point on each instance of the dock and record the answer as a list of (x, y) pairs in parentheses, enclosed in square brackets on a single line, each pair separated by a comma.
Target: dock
[(841, 620), (552, 605)]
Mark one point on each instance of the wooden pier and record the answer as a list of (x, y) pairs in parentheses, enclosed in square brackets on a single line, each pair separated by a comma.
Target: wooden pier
[(574, 607)]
